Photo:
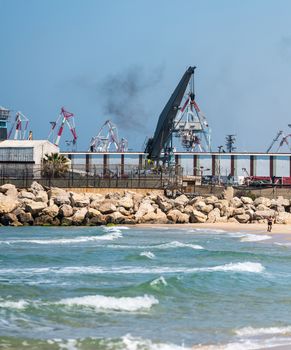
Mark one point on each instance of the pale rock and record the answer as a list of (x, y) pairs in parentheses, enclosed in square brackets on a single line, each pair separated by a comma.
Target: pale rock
[(250, 213), (155, 217), (56, 192), (188, 209), (36, 187), (238, 211), (262, 207), (79, 199), (9, 190), (177, 217), (284, 202), (91, 213), (35, 207), (126, 202), (41, 196), (51, 211), (144, 208), (233, 220), (214, 215), (263, 214), (283, 218), (207, 208), (194, 200), (164, 203), (246, 200), (124, 212), (211, 200), (197, 217), (67, 221), (199, 205), (236, 202), (242, 218), (79, 216), (96, 197), (7, 204), (116, 218), (262, 200), (181, 200), (280, 209), (137, 199), (62, 199), (26, 194), (9, 219), (229, 212), (108, 206), (66, 210)]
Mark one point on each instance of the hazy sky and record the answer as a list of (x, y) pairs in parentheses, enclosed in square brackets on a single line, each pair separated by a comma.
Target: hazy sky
[(121, 60)]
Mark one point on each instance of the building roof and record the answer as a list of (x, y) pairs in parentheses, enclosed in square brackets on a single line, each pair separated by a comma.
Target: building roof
[(25, 143)]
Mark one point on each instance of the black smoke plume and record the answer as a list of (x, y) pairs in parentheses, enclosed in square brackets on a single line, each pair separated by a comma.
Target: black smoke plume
[(123, 93)]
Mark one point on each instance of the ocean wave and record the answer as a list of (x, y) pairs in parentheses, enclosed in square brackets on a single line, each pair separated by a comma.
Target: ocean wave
[(207, 230), (167, 245), (134, 343), (81, 239), (101, 302), (159, 281), (250, 331), (250, 267), (254, 238), (114, 228), (149, 255), (8, 304)]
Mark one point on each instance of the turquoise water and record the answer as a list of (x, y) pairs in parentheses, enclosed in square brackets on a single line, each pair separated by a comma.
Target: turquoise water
[(143, 288)]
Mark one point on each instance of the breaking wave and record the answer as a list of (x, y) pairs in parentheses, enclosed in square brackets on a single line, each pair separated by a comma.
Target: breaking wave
[(254, 238), (149, 255), (101, 302), (8, 304), (250, 331)]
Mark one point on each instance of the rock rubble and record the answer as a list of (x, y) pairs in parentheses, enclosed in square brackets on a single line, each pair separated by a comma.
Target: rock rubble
[(39, 206)]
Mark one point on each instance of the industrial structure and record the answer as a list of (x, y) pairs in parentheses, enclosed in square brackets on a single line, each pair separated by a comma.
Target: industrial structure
[(57, 128), (102, 142), (19, 127)]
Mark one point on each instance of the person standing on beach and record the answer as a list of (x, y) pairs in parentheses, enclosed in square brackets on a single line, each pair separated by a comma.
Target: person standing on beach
[(270, 224)]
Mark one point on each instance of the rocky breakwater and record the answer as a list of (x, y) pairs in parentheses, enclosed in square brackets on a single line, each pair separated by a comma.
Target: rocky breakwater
[(39, 206)]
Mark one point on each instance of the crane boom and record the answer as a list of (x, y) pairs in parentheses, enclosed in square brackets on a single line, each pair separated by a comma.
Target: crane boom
[(164, 127)]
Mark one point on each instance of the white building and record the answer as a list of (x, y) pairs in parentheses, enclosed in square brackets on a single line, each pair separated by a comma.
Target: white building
[(23, 155)]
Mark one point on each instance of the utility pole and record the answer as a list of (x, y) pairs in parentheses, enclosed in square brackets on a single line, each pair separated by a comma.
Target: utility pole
[(229, 142)]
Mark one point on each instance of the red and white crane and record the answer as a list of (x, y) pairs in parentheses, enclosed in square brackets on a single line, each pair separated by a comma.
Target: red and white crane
[(57, 127), (19, 127)]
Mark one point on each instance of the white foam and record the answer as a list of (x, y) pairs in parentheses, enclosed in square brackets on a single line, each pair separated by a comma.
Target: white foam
[(149, 255), (250, 331), (20, 304), (160, 280), (283, 244), (101, 302), (114, 228), (207, 230), (254, 238), (134, 343), (250, 267), (81, 239), (177, 244)]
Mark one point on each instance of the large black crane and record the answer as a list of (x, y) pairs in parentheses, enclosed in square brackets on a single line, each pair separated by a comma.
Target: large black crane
[(164, 129)]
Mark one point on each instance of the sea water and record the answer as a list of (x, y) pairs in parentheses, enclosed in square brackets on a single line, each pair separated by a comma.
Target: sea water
[(143, 288)]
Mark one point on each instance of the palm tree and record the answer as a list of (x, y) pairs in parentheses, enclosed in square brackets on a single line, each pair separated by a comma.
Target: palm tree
[(55, 165)]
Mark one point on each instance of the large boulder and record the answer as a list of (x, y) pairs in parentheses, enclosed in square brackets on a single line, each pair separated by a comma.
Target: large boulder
[(9, 190), (66, 210), (108, 206), (246, 200), (46, 220), (284, 202), (211, 200), (177, 217), (262, 200), (126, 202), (236, 202), (164, 203), (197, 217), (181, 200), (242, 218), (79, 216), (116, 218), (7, 204), (36, 187), (283, 218), (9, 219), (214, 215), (144, 208), (155, 217), (35, 207), (59, 196), (26, 194), (263, 214), (238, 211), (79, 200), (228, 193), (41, 196), (51, 211), (25, 218)]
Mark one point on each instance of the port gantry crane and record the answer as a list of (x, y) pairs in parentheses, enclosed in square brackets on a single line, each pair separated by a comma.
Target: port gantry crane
[(186, 122), (19, 126), (64, 118), (284, 140), (101, 143)]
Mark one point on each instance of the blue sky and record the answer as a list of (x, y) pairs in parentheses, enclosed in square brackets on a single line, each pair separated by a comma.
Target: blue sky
[(77, 54)]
